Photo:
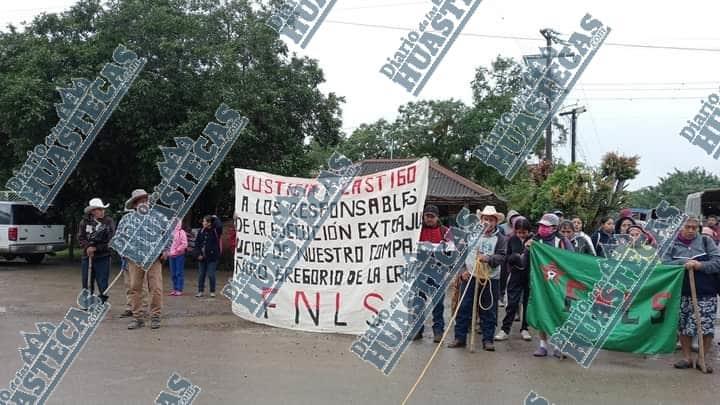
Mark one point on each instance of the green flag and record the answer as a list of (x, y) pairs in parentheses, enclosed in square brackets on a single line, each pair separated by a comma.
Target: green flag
[(558, 279)]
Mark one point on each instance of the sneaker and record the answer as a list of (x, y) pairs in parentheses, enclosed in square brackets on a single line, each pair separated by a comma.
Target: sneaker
[(501, 303), (558, 354), (155, 322), (489, 347), (125, 314), (136, 323), (501, 336), (437, 337), (525, 335), (212, 295), (198, 295), (540, 352), (172, 293)]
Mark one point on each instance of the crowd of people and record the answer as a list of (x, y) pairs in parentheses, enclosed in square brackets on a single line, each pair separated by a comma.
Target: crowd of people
[(501, 264), (97, 229)]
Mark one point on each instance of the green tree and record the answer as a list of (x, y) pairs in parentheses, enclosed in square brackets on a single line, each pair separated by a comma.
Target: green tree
[(447, 130), (575, 189), (200, 53), (675, 187)]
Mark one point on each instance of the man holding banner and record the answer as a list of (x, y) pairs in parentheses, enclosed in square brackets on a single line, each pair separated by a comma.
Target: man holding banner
[(701, 259)]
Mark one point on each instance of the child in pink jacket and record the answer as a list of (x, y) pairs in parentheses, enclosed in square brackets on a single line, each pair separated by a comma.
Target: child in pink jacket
[(176, 256)]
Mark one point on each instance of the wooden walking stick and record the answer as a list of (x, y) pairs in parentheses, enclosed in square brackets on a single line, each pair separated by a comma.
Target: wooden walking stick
[(473, 325), (89, 279), (698, 323), (113, 282)]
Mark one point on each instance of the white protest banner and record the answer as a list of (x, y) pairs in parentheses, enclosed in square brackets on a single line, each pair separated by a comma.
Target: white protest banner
[(355, 259)]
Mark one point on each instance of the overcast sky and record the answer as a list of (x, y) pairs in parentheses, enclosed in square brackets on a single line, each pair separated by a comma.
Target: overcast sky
[(638, 98)]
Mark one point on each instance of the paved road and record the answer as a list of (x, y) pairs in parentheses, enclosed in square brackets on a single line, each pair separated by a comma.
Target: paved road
[(235, 361)]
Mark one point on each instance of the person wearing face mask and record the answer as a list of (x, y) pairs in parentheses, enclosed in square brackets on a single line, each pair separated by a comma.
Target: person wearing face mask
[(547, 234), (604, 235), (519, 284), (491, 250)]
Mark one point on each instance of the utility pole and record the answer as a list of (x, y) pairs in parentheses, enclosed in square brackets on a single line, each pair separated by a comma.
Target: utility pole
[(551, 36), (392, 142), (548, 34), (573, 134)]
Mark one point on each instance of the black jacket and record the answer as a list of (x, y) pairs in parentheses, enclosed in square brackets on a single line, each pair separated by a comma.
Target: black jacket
[(207, 243), (97, 234), (517, 260), (598, 239)]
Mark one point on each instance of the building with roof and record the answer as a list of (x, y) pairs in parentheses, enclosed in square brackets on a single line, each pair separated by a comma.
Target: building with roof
[(446, 189)]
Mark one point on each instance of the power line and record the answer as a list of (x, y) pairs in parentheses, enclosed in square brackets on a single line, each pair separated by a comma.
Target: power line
[(384, 5), (646, 83), (520, 38), (648, 98), (656, 89)]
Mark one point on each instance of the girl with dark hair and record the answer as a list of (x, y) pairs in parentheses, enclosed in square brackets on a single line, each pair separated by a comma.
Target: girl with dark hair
[(604, 235), (207, 252), (622, 225), (580, 240), (518, 287)]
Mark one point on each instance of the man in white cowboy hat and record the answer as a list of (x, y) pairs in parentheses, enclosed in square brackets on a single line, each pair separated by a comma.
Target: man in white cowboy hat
[(491, 251), (137, 274), (94, 234)]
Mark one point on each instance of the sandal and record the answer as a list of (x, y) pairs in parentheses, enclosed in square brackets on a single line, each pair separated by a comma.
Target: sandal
[(683, 364), (708, 368)]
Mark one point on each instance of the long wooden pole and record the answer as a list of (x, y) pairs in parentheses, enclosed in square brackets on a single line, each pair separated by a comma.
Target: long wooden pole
[(698, 322), (113, 283), (473, 325), (89, 279)]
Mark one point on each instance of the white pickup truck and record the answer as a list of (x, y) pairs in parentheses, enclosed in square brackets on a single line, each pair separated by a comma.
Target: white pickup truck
[(28, 233)]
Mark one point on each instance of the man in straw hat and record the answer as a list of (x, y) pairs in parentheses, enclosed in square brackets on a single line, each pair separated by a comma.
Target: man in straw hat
[(489, 255), (138, 199), (94, 234)]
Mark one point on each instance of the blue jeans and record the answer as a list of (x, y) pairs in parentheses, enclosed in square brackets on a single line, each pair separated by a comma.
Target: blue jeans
[(437, 314), (100, 275), (177, 270), (487, 317), (208, 268)]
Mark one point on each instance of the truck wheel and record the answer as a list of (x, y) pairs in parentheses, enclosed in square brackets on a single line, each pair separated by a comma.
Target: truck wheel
[(35, 258)]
